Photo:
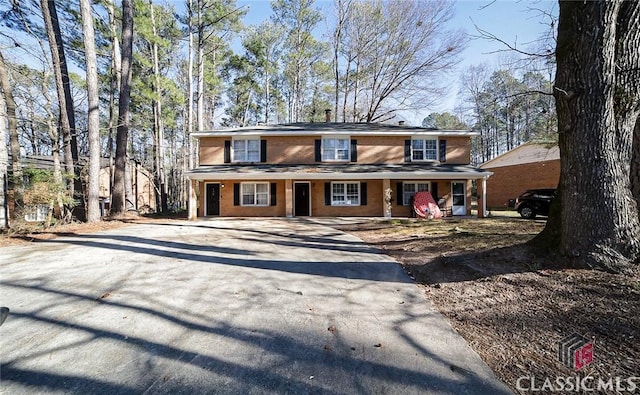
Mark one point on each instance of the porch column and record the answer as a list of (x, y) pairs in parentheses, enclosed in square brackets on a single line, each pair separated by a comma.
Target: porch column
[(288, 198), (386, 197), (484, 198), (193, 200)]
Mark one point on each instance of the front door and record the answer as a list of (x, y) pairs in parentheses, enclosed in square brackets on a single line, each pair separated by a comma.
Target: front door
[(459, 196), (301, 199), (213, 199)]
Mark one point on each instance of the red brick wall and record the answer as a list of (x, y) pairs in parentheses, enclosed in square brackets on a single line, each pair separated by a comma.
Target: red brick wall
[(300, 149), (508, 182)]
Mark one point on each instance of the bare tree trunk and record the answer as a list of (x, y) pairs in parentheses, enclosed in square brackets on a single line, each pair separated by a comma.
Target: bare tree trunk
[(267, 93), (192, 209), (93, 98), (114, 87), (158, 124), (54, 136), (595, 218), (131, 197), (342, 7), (14, 142), (347, 74), (4, 161), (118, 203), (355, 91), (65, 101), (200, 99), (635, 164)]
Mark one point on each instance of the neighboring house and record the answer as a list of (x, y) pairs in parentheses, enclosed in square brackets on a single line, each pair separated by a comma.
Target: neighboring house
[(330, 169), (141, 180), (530, 166), (142, 187)]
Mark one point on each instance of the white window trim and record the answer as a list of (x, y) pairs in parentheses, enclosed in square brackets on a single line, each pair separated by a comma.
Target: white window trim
[(345, 183), (36, 213), (436, 159), (416, 182), (335, 151), (245, 159), (255, 194)]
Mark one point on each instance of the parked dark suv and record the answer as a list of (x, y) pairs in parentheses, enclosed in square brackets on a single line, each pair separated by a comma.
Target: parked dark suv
[(534, 202)]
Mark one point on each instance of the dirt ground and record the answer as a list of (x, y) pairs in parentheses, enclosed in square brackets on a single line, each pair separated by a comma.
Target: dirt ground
[(513, 306), (26, 233), (509, 304)]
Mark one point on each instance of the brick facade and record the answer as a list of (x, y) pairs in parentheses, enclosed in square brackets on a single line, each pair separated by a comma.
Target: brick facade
[(384, 151), (373, 208), (300, 149), (508, 182)]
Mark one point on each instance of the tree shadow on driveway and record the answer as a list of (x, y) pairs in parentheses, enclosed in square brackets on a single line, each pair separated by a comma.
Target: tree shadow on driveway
[(131, 312)]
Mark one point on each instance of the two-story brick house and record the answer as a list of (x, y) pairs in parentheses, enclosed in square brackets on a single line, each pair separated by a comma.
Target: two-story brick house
[(330, 169)]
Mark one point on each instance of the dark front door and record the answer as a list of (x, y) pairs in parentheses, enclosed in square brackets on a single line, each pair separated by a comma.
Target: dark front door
[(213, 199), (301, 196)]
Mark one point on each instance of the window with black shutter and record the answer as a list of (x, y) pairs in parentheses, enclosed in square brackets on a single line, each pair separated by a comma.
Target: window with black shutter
[(273, 197), (227, 151), (236, 194), (363, 193), (354, 150), (407, 151), (443, 150), (263, 151)]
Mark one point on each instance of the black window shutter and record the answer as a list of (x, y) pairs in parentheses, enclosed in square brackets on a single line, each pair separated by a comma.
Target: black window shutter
[(227, 151), (407, 150), (263, 151), (443, 150), (327, 194), (236, 194), (354, 150), (363, 193), (399, 194), (318, 151), (434, 190), (274, 188)]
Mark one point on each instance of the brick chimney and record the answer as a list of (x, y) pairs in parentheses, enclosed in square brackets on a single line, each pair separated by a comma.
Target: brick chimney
[(327, 115)]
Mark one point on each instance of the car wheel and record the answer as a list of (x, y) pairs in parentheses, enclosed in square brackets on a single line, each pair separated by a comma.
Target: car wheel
[(527, 212)]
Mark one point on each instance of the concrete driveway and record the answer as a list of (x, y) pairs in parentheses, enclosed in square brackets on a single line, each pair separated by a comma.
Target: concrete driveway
[(223, 306)]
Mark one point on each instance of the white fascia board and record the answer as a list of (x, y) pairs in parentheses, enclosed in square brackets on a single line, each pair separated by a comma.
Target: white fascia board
[(340, 176), (320, 133)]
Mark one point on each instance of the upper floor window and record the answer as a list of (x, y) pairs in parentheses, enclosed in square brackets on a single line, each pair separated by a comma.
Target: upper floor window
[(246, 150), (335, 149), (424, 149), (255, 193), (410, 188)]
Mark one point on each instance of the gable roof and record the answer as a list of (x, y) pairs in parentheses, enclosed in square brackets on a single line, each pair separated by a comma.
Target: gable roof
[(531, 152), (331, 128)]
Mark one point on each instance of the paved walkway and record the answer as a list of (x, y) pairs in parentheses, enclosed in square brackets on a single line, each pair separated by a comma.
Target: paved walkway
[(223, 306)]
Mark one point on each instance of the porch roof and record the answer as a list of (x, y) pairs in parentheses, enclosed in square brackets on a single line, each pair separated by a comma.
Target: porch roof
[(344, 171)]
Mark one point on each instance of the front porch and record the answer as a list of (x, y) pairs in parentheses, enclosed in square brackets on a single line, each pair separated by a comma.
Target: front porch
[(328, 191)]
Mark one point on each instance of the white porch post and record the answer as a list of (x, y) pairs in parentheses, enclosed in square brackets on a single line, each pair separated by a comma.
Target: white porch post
[(193, 200), (288, 198), (386, 202), (484, 197)]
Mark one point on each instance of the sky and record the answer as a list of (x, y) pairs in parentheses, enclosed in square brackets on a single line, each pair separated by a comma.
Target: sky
[(517, 22)]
